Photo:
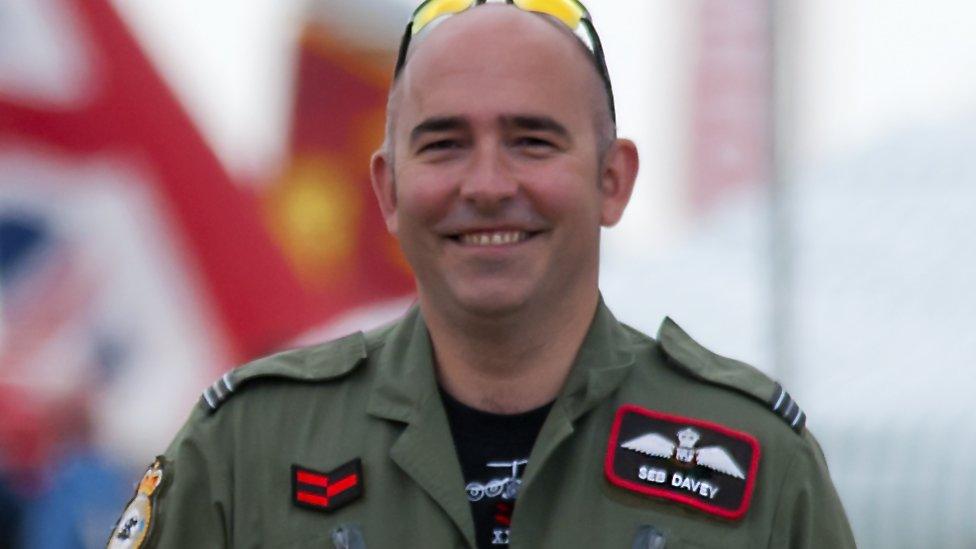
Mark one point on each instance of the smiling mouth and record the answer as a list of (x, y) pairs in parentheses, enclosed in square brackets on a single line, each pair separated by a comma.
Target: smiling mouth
[(493, 238)]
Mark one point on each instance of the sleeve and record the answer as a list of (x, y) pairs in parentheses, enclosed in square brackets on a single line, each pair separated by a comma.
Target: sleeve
[(189, 505), (809, 512)]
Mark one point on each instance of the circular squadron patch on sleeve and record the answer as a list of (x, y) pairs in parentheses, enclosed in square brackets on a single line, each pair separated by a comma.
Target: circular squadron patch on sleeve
[(698, 463), (133, 527)]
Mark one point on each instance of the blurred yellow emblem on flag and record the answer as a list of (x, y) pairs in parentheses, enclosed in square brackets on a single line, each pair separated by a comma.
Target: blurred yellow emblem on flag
[(315, 213)]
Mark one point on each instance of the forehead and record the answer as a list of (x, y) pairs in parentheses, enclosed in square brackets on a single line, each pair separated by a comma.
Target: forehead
[(497, 60)]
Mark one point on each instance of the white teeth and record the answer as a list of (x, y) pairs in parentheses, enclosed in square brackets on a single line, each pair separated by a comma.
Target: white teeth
[(496, 238)]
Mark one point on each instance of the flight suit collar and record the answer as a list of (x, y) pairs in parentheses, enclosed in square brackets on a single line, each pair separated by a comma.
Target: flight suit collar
[(603, 362), (406, 380), (601, 365), (406, 391)]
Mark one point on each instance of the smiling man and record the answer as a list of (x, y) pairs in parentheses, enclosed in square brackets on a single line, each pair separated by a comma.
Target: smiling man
[(509, 407), (499, 169)]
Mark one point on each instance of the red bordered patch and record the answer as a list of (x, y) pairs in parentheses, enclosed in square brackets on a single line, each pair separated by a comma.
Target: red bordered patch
[(327, 491), (695, 462)]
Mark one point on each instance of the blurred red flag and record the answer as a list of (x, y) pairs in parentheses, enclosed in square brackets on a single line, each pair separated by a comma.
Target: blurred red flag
[(322, 211)]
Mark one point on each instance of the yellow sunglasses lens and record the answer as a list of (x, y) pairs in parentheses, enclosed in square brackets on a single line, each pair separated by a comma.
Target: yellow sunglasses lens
[(435, 8), (567, 11)]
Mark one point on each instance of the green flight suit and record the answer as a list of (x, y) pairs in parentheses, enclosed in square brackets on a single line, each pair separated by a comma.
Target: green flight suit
[(227, 475)]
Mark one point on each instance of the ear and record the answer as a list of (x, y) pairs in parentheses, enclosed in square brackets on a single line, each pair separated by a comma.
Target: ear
[(617, 180), (381, 174)]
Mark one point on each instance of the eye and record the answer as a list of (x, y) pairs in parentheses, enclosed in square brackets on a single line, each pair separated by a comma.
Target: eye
[(440, 145), (534, 146), (533, 142)]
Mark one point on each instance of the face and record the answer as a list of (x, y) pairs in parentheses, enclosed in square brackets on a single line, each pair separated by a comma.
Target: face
[(496, 190)]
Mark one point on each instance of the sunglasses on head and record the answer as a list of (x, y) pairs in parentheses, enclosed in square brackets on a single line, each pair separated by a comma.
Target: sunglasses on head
[(569, 12)]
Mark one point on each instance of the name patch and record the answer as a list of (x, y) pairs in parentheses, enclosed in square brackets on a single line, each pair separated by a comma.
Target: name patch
[(691, 461)]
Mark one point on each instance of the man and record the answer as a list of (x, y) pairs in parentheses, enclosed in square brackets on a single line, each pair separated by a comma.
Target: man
[(509, 408)]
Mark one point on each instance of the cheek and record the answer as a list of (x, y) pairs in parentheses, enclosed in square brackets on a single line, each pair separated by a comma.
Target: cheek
[(564, 193), (422, 197)]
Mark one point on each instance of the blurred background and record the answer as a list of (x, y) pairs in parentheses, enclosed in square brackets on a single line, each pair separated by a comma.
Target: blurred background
[(183, 187)]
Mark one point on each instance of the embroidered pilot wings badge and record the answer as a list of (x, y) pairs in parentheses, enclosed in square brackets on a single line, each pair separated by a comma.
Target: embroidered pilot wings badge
[(698, 463), (713, 457)]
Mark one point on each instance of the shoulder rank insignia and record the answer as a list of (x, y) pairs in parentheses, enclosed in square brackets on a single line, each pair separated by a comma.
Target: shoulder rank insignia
[(219, 391), (784, 405), (327, 491), (698, 463), (133, 527)]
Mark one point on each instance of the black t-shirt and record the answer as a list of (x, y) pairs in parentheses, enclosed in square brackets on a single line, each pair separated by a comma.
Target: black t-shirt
[(493, 450)]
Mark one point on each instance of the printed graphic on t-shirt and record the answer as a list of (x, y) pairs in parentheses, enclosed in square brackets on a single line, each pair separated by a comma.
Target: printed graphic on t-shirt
[(506, 487), (498, 495), (492, 450)]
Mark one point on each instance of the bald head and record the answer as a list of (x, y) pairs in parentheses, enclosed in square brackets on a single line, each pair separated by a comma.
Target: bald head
[(510, 51)]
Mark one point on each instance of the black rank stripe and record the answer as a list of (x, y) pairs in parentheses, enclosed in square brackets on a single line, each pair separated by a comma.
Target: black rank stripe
[(799, 421), (785, 410), (781, 398), (227, 382), (209, 400)]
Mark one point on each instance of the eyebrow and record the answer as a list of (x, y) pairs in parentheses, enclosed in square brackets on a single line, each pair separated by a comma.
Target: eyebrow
[(529, 122), (438, 124), (536, 123)]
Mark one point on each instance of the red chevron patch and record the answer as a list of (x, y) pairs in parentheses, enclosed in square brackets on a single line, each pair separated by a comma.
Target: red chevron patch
[(327, 491)]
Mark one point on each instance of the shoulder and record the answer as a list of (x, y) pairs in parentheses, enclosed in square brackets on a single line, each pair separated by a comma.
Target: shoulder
[(323, 363), (692, 360), (259, 397), (326, 362)]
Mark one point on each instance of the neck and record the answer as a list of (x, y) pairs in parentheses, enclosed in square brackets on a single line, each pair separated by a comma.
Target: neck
[(513, 363)]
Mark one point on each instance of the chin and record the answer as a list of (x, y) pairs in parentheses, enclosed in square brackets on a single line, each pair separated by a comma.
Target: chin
[(491, 302)]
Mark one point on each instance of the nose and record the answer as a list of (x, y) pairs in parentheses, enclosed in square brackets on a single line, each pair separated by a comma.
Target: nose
[(488, 183)]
